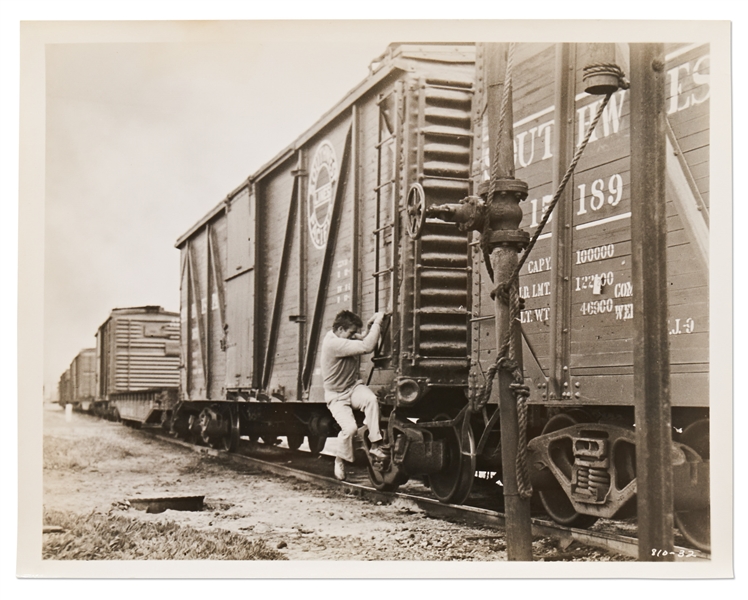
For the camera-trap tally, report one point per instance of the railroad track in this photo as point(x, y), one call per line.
point(314, 468)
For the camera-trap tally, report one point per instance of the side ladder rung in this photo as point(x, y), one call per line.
point(383, 227)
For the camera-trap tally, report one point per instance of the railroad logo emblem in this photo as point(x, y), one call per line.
point(321, 189)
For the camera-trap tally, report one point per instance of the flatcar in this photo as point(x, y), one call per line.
point(137, 365)
point(344, 218)
point(77, 385)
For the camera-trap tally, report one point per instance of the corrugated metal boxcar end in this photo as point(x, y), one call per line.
point(137, 352)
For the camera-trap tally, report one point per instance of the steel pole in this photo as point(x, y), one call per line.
point(504, 218)
point(649, 277)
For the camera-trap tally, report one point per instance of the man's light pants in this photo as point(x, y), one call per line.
point(359, 397)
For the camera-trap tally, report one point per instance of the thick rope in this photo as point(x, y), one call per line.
point(518, 388)
point(562, 186)
point(495, 163)
point(502, 119)
point(508, 289)
point(509, 293)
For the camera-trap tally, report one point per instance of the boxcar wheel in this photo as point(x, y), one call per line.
point(379, 479)
point(695, 524)
point(452, 484)
point(294, 440)
point(316, 443)
point(230, 441)
point(555, 501)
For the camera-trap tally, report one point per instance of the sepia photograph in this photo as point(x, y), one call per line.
point(427, 299)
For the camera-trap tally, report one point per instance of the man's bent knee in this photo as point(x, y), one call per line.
point(349, 430)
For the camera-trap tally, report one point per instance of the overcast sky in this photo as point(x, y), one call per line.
point(142, 140)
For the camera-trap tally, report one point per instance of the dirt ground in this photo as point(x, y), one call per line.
point(92, 465)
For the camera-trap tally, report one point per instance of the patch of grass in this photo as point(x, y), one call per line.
point(75, 455)
point(99, 536)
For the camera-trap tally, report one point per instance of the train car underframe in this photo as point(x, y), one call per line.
point(582, 459)
point(583, 467)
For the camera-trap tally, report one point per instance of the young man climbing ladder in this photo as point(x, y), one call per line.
point(344, 391)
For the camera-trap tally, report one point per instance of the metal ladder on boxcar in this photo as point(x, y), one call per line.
point(440, 318)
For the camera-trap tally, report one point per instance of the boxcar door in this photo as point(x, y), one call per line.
point(240, 280)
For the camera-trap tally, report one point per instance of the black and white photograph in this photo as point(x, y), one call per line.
point(429, 299)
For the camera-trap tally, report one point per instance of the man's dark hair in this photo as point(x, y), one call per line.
point(346, 319)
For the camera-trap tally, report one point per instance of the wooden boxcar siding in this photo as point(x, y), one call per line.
point(532, 81)
point(240, 290)
point(105, 367)
point(184, 335)
point(339, 287)
point(602, 320)
point(194, 286)
point(217, 310)
point(204, 264)
point(274, 208)
point(687, 91)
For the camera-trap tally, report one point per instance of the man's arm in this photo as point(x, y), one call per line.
point(343, 347)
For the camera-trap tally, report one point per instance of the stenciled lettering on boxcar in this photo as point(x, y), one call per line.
point(603, 308)
point(600, 270)
point(322, 181)
point(342, 281)
point(688, 84)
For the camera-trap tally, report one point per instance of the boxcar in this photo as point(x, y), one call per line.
point(328, 224)
point(64, 394)
point(137, 358)
point(577, 320)
point(83, 380)
point(318, 230)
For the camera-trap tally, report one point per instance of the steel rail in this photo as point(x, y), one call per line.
point(620, 544)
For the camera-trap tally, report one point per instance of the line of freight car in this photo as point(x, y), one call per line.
point(133, 373)
point(77, 386)
point(338, 221)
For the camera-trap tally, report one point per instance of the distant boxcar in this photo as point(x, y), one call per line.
point(137, 356)
point(83, 379)
point(77, 385)
point(64, 392)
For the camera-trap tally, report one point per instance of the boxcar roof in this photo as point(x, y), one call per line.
point(138, 310)
point(393, 60)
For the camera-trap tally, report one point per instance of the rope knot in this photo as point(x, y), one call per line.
point(607, 69)
point(502, 291)
point(520, 390)
point(508, 364)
